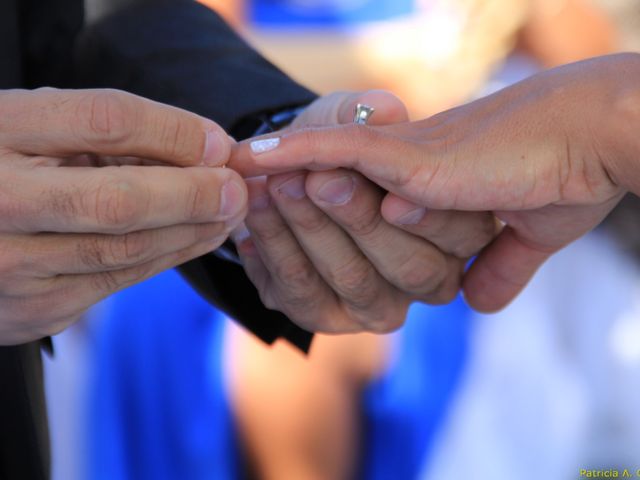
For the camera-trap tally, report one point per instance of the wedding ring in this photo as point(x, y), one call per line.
point(362, 114)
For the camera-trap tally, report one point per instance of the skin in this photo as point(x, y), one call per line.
point(92, 202)
point(550, 156)
point(298, 415)
point(320, 251)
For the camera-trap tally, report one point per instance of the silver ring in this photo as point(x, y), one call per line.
point(362, 114)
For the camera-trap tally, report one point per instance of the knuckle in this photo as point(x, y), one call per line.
point(111, 281)
point(475, 231)
point(449, 288)
point(309, 139)
point(133, 247)
point(356, 282)
point(421, 273)
point(330, 321)
point(365, 222)
point(269, 233)
point(116, 251)
point(105, 282)
point(118, 205)
point(312, 222)
point(137, 274)
point(444, 295)
point(384, 327)
point(297, 272)
point(383, 320)
point(176, 143)
point(104, 116)
point(196, 205)
point(63, 202)
point(91, 252)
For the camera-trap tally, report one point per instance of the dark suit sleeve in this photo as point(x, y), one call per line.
point(181, 53)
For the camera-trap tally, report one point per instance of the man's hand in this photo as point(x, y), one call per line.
point(320, 251)
point(551, 156)
point(71, 233)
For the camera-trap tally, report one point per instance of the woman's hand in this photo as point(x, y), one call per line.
point(551, 156)
point(320, 251)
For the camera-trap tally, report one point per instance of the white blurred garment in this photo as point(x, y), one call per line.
point(553, 383)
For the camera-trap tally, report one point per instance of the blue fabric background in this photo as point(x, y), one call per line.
point(405, 408)
point(324, 13)
point(158, 409)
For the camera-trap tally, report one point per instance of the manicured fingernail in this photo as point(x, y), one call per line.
point(265, 145)
point(232, 199)
point(413, 217)
point(244, 244)
point(337, 191)
point(259, 202)
point(293, 188)
point(215, 143)
point(240, 234)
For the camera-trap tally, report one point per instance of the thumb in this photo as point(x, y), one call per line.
point(501, 271)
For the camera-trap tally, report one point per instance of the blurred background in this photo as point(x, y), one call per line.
point(154, 384)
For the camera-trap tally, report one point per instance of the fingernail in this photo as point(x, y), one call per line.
point(215, 143)
point(240, 234)
point(259, 202)
point(232, 199)
point(293, 188)
point(242, 238)
point(265, 145)
point(413, 217)
point(338, 191)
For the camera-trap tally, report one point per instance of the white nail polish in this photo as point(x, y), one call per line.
point(265, 145)
point(240, 234)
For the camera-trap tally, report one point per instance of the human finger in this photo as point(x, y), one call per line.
point(373, 151)
point(119, 199)
point(502, 270)
point(57, 123)
point(459, 233)
point(506, 265)
point(70, 295)
point(389, 109)
point(339, 107)
point(361, 289)
point(296, 286)
point(51, 254)
point(406, 261)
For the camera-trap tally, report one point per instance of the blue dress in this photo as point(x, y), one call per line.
point(158, 404)
point(158, 409)
point(404, 409)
